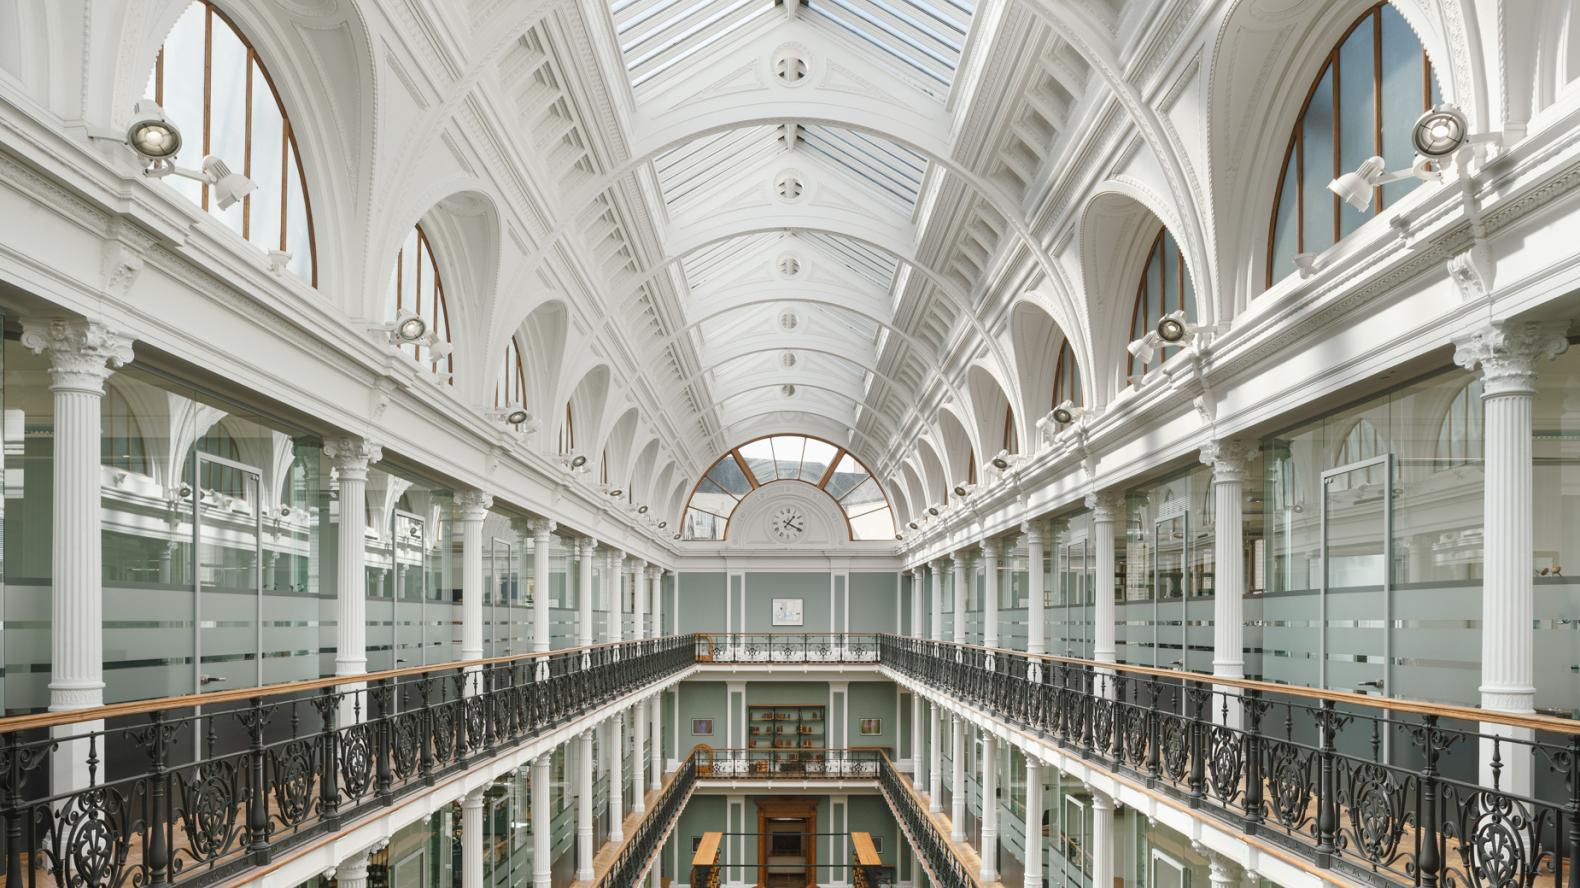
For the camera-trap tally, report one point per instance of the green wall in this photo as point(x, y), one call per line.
point(874, 699)
point(763, 588)
point(873, 603)
point(743, 602)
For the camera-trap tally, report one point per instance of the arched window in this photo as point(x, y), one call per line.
point(1165, 287)
point(1011, 439)
point(568, 431)
point(1361, 442)
point(1459, 434)
point(218, 476)
point(415, 286)
point(1066, 377)
point(212, 84)
point(121, 442)
point(510, 388)
point(788, 458)
point(1372, 87)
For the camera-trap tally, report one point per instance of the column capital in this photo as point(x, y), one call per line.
point(990, 549)
point(353, 868)
point(1508, 351)
point(1105, 505)
point(474, 798)
point(588, 547)
point(1031, 530)
point(1227, 457)
point(82, 353)
point(351, 456)
point(474, 504)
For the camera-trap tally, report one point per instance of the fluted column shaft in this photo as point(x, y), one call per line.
point(957, 780)
point(989, 782)
point(1508, 353)
point(990, 550)
point(474, 505)
point(638, 606)
point(351, 458)
point(1036, 619)
point(587, 551)
point(1102, 838)
point(918, 745)
point(472, 839)
point(614, 746)
point(1227, 459)
point(615, 593)
point(640, 727)
point(542, 828)
point(935, 759)
point(584, 806)
point(1033, 825)
point(1105, 508)
point(961, 579)
point(657, 609)
point(655, 712)
point(82, 354)
point(542, 534)
point(936, 597)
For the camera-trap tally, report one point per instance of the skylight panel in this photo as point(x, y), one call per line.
point(657, 35)
point(704, 264)
point(864, 260)
point(925, 37)
point(689, 170)
point(889, 167)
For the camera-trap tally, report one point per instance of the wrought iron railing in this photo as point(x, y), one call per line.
point(1384, 790)
point(787, 647)
point(641, 850)
point(193, 789)
point(788, 763)
point(945, 869)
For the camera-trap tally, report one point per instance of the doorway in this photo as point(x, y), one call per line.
point(787, 843)
point(1355, 602)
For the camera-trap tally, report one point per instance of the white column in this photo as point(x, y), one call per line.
point(990, 551)
point(935, 759)
point(1033, 832)
point(639, 728)
point(936, 597)
point(1036, 629)
point(918, 746)
point(473, 506)
point(542, 829)
point(962, 577)
point(1220, 871)
point(918, 602)
point(614, 593)
point(657, 609)
point(472, 839)
point(989, 781)
point(614, 745)
point(655, 713)
point(587, 551)
point(1102, 838)
point(350, 458)
point(1507, 353)
point(1105, 508)
point(1227, 458)
point(639, 587)
point(353, 871)
point(584, 806)
point(957, 780)
point(542, 529)
point(82, 354)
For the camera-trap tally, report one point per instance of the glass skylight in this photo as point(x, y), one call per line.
point(780, 458)
point(685, 172)
point(867, 261)
point(892, 169)
point(657, 35)
point(923, 37)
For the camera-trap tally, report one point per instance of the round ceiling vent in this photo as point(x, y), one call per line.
point(787, 390)
point(788, 320)
point(787, 359)
point(788, 266)
point(789, 187)
point(790, 65)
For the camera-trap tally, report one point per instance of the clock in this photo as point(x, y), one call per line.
point(787, 524)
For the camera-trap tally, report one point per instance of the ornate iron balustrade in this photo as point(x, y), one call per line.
point(194, 789)
point(1385, 790)
point(791, 647)
point(641, 850)
point(788, 763)
point(944, 868)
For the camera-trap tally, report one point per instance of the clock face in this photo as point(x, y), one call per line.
point(787, 524)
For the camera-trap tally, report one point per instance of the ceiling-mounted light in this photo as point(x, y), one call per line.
point(964, 490)
point(933, 511)
point(1067, 413)
point(663, 524)
point(641, 510)
point(1440, 132)
point(578, 461)
point(151, 134)
point(409, 326)
point(518, 416)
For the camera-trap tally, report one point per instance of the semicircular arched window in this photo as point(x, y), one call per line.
point(1066, 377)
point(213, 86)
point(510, 387)
point(416, 287)
point(1165, 288)
point(775, 458)
point(1373, 85)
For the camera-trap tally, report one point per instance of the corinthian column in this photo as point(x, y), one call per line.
point(82, 354)
point(990, 550)
point(351, 458)
point(613, 578)
point(542, 529)
point(1227, 459)
point(656, 573)
point(1507, 353)
point(587, 551)
point(1036, 628)
point(472, 839)
point(962, 577)
point(1105, 507)
point(473, 506)
point(936, 597)
point(639, 575)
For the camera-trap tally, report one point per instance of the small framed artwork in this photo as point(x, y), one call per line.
point(702, 727)
point(871, 727)
point(787, 612)
point(877, 843)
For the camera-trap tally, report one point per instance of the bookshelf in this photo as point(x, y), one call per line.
point(785, 727)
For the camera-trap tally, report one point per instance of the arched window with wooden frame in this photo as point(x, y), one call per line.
point(1011, 439)
point(1066, 378)
point(784, 459)
point(568, 431)
point(1372, 86)
point(214, 87)
point(1164, 288)
point(510, 388)
point(416, 286)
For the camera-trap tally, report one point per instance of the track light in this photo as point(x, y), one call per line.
point(1068, 412)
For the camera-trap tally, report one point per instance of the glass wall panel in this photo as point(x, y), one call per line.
point(1556, 485)
point(1071, 591)
point(1166, 613)
point(412, 566)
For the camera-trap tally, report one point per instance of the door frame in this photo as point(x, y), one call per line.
point(199, 458)
point(1173, 510)
point(793, 806)
point(1385, 460)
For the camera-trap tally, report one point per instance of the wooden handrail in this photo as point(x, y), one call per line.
point(1391, 704)
point(161, 704)
point(707, 849)
point(866, 854)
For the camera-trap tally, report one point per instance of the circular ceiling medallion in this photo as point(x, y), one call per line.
point(788, 266)
point(787, 390)
point(789, 187)
point(787, 359)
point(791, 65)
point(789, 320)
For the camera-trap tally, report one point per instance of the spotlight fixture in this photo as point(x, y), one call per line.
point(899, 536)
point(1172, 329)
point(677, 534)
point(1067, 412)
point(933, 511)
point(185, 491)
point(616, 492)
point(578, 461)
point(1440, 132)
point(518, 416)
point(1003, 460)
point(913, 525)
point(641, 510)
point(1307, 264)
point(663, 524)
point(229, 187)
point(964, 490)
point(151, 134)
point(409, 326)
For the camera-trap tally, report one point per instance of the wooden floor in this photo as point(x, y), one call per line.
point(966, 853)
point(604, 859)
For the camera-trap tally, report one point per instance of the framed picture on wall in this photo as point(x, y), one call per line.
point(702, 727)
point(787, 612)
point(871, 727)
